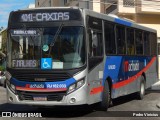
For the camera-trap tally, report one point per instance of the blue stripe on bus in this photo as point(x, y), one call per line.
point(117, 20)
point(113, 73)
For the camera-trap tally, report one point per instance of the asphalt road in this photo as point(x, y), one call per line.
point(124, 108)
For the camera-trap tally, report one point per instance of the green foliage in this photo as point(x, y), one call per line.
point(2, 68)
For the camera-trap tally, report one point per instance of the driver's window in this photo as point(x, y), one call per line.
point(95, 44)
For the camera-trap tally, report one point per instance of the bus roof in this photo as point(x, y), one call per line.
point(44, 8)
point(118, 20)
point(98, 15)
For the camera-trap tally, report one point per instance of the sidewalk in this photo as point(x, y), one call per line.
point(156, 86)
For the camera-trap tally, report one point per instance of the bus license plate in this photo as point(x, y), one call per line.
point(40, 98)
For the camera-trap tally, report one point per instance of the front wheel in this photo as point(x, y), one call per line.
point(106, 98)
point(141, 92)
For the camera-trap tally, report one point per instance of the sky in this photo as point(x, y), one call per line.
point(6, 6)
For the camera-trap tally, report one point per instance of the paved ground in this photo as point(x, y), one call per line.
point(156, 87)
point(124, 108)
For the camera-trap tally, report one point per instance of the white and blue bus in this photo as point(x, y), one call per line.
point(73, 56)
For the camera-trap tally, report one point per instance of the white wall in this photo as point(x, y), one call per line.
point(96, 6)
point(150, 6)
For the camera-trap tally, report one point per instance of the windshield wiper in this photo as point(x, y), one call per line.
point(55, 38)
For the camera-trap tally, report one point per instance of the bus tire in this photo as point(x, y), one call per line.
point(106, 97)
point(141, 92)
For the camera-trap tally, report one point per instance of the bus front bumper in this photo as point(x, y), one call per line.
point(78, 97)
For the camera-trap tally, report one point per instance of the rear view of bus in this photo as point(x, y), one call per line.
point(46, 60)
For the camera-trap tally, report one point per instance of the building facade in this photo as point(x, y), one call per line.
point(50, 3)
point(3, 40)
point(95, 5)
point(144, 12)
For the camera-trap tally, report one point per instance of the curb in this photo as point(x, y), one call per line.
point(156, 86)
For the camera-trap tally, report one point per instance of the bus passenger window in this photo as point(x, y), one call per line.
point(110, 45)
point(130, 42)
point(146, 44)
point(139, 43)
point(120, 37)
point(153, 43)
point(95, 44)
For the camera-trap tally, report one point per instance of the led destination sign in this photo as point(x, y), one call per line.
point(53, 16)
point(24, 63)
point(47, 15)
point(24, 32)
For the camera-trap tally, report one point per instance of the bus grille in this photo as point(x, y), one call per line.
point(52, 96)
point(41, 77)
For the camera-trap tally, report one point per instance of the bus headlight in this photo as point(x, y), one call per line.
point(72, 88)
point(12, 87)
point(80, 83)
point(76, 85)
point(9, 84)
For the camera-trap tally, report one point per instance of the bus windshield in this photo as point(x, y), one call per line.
point(65, 48)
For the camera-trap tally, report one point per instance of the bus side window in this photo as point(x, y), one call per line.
point(130, 42)
point(95, 44)
point(139, 42)
point(146, 44)
point(110, 45)
point(120, 37)
point(153, 44)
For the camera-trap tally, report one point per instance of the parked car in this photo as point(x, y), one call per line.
point(2, 78)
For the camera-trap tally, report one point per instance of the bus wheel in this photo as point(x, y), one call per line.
point(106, 97)
point(141, 92)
